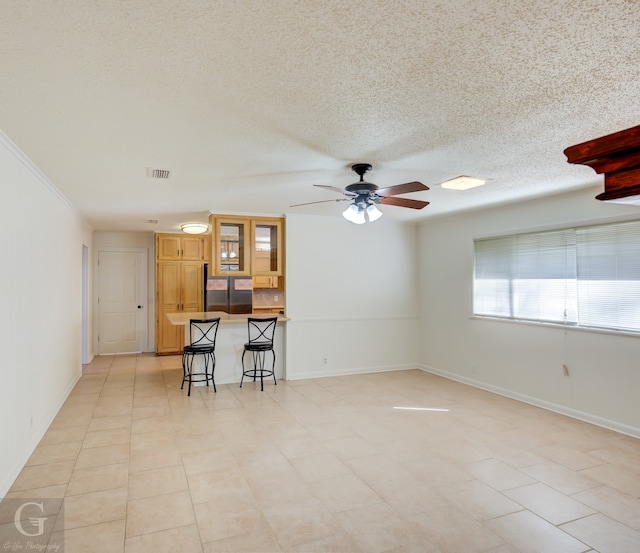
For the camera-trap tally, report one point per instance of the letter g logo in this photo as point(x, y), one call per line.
point(38, 522)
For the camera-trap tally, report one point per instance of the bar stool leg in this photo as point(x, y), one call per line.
point(241, 379)
point(213, 368)
point(273, 367)
point(261, 362)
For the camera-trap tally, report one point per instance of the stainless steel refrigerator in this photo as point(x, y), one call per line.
point(228, 294)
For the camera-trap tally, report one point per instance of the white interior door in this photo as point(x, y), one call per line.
point(121, 302)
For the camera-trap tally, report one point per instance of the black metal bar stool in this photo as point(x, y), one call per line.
point(202, 341)
point(261, 332)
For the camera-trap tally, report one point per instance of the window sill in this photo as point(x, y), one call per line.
point(558, 325)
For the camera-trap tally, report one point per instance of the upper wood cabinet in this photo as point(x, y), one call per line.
point(180, 247)
point(231, 246)
point(196, 248)
point(247, 246)
point(266, 247)
point(262, 270)
point(265, 282)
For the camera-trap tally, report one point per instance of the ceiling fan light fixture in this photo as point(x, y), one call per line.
point(463, 183)
point(365, 195)
point(355, 214)
point(373, 213)
point(194, 228)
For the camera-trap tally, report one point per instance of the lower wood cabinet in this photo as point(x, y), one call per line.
point(178, 289)
point(267, 310)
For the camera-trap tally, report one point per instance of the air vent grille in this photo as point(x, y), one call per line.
point(158, 173)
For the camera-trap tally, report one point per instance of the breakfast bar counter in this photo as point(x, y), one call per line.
point(183, 318)
point(232, 335)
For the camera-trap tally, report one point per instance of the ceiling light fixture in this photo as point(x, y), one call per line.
point(194, 228)
point(373, 213)
point(463, 183)
point(359, 212)
point(355, 214)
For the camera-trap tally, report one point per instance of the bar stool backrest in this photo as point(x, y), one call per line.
point(203, 332)
point(261, 330)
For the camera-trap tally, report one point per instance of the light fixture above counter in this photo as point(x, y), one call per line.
point(194, 228)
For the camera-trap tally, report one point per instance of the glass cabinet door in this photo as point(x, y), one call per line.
point(266, 252)
point(231, 251)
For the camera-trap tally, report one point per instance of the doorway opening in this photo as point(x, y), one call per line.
point(85, 305)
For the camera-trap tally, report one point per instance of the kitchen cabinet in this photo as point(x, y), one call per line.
point(178, 289)
point(262, 265)
point(265, 281)
point(180, 260)
point(247, 246)
point(267, 310)
point(179, 247)
point(251, 246)
point(266, 247)
point(231, 250)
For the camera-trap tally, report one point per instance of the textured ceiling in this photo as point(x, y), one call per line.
point(250, 103)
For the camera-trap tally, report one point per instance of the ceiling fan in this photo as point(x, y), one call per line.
point(364, 196)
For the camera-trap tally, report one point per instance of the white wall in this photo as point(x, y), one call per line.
point(523, 360)
point(41, 288)
point(351, 296)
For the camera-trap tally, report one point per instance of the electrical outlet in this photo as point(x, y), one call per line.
point(276, 297)
point(324, 360)
point(474, 368)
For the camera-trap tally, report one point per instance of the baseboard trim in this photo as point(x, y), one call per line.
point(549, 406)
point(6, 484)
point(348, 371)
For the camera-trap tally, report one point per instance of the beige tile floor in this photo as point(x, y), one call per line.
point(327, 465)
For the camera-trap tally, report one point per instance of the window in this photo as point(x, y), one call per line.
point(587, 276)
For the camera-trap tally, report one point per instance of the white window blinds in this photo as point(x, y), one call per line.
point(609, 276)
point(587, 276)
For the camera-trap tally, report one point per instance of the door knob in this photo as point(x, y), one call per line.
point(139, 307)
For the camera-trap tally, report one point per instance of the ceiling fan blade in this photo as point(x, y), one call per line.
point(404, 202)
point(335, 189)
point(405, 188)
point(322, 202)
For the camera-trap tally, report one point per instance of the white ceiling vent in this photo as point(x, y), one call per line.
point(158, 173)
